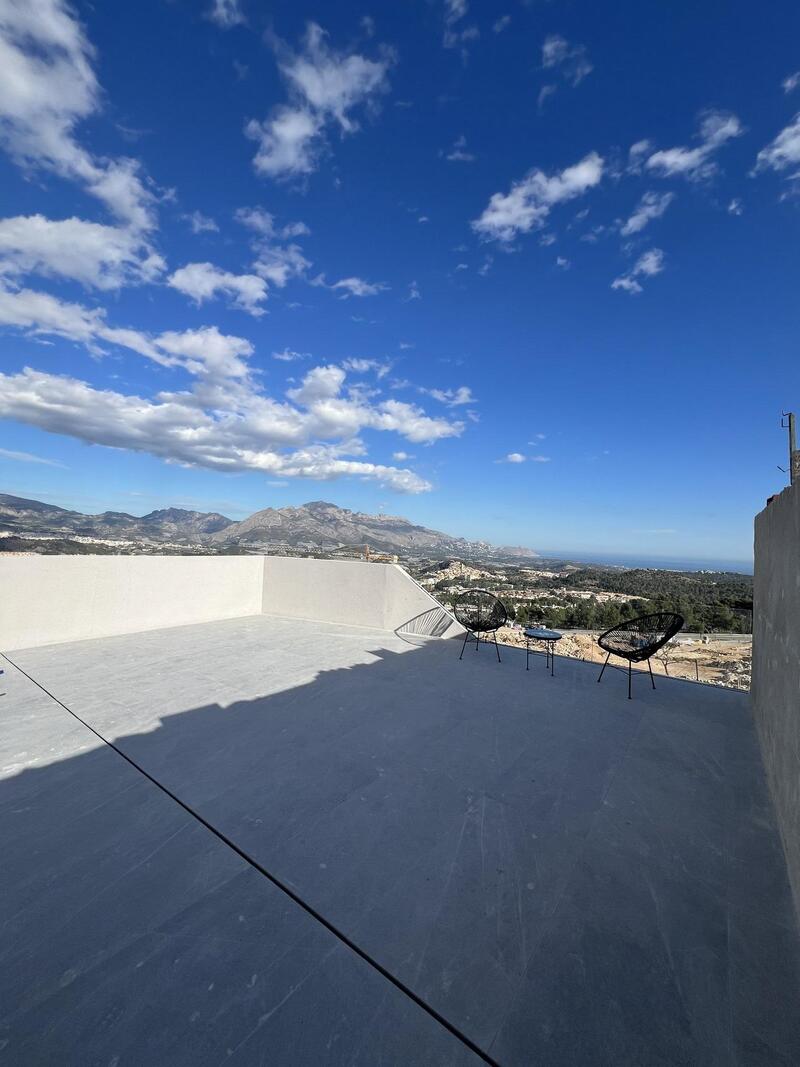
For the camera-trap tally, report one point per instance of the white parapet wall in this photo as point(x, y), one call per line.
point(381, 596)
point(776, 663)
point(51, 599)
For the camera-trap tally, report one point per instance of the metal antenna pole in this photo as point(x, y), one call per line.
point(788, 423)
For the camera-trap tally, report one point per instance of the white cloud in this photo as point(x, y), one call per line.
point(735, 206)
point(518, 457)
point(330, 82)
point(554, 50)
point(570, 60)
point(223, 421)
point(276, 263)
point(295, 229)
point(48, 86)
point(696, 164)
point(501, 24)
point(651, 206)
point(105, 257)
point(28, 457)
point(358, 287)
point(42, 314)
point(412, 423)
point(325, 87)
point(401, 457)
point(791, 82)
point(351, 286)
point(289, 356)
point(563, 262)
point(458, 153)
point(263, 223)
point(201, 352)
point(204, 281)
point(646, 266)
point(784, 151)
point(456, 35)
point(176, 429)
point(637, 155)
point(545, 92)
point(413, 292)
point(364, 366)
point(530, 200)
point(594, 234)
point(321, 383)
point(201, 223)
point(288, 142)
point(452, 397)
point(226, 13)
point(207, 352)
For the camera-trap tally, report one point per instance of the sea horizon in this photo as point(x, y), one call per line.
point(614, 559)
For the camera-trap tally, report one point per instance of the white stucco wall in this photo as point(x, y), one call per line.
point(378, 595)
point(776, 663)
point(52, 599)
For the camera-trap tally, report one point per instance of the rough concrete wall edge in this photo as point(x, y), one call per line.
point(766, 525)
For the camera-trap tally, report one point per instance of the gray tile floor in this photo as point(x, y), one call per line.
point(565, 876)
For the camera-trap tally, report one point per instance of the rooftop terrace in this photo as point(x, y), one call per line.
point(315, 842)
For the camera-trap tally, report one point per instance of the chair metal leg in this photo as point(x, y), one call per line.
point(497, 647)
point(652, 679)
point(630, 674)
point(608, 657)
point(466, 635)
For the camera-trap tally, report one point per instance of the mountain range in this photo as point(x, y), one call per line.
point(316, 525)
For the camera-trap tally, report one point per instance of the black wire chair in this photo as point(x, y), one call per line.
point(479, 612)
point(637, 639)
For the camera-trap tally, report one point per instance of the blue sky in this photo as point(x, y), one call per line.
point(522, 271)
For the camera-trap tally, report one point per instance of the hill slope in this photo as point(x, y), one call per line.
point(21, 516)
point(324, 525)
point(316, 525)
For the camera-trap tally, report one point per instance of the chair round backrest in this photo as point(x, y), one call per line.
point(639, 638)
point(479, 610)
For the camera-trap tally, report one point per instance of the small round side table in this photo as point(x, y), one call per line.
point(549, 638)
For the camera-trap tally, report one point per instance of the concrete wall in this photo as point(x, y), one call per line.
point(50, 599)
point(381, 596)
point(776, 663)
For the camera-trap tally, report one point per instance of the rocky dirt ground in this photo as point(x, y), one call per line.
point(716, 662)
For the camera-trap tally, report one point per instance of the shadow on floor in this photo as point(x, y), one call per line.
point(565, 877)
